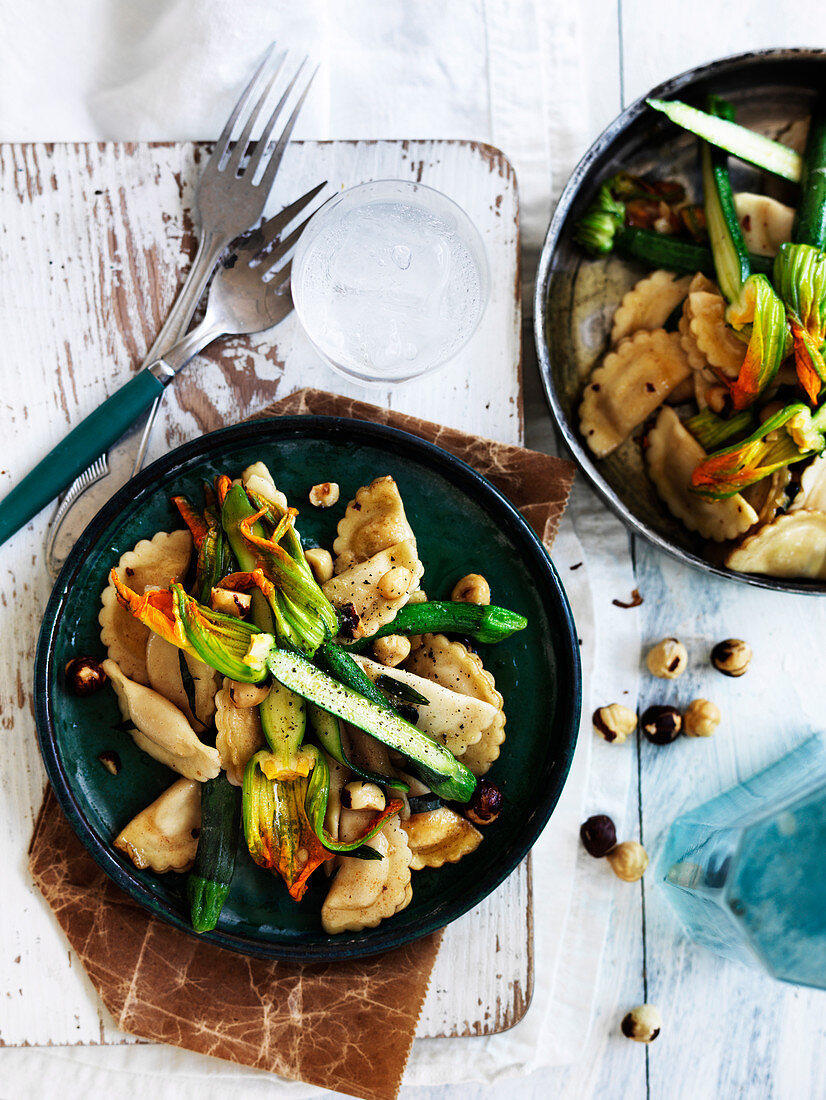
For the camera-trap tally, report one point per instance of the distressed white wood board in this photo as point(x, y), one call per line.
point(94, 241)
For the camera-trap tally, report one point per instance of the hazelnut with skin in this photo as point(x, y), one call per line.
point(628, 860)
point(731, 657)
point(84, 676)
point(614, 722)
point(598, 835)
point(642, 1024)
point(668, 659)
point(661, 724)
point(486, 803)
point(471, 589)
point(324, 495)
point(701, 718)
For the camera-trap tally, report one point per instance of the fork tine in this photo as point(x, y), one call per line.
point(281, 278)
point(240, 147)
point(273, 226)
point(284, 248)
point(222, 144)
point(268, 174)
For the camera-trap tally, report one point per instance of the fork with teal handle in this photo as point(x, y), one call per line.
point(231, 196)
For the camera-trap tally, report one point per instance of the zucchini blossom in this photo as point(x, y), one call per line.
point(800, 278)
point(792, 434)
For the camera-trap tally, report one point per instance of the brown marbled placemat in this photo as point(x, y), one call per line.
point(314, 1022)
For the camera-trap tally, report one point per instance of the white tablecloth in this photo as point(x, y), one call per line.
point(502, 71)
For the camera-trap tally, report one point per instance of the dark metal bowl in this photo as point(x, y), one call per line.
point(576, 296)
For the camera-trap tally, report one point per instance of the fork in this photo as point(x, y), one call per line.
point(231, 196)
point(250, 291)
point(240, 301)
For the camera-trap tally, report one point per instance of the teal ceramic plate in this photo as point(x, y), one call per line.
point(463, 525)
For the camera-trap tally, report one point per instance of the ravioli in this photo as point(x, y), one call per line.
point(164, 836)
point(360, 585)
point(672, 455)
point(793, 545)
point(648, 304)
point(631, 384)
point(453, 666)
point(163, 669)
point(366, 891)
point(154, 563)
point(162, 730)
point(812, 495)
point(258, 479)
point(715, 340)
point(373, 521)
point(438, 837)
point(238, 736)
point(457, 721)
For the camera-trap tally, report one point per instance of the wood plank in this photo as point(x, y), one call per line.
point(93, 249)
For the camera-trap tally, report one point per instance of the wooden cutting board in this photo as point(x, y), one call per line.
point(94, 242)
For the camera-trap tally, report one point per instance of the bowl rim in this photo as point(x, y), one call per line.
point(569, 194)
point(466, 479)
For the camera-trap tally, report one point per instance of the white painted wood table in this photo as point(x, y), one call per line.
point(93, 246)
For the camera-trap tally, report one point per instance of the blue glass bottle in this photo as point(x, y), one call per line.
point(746, 872)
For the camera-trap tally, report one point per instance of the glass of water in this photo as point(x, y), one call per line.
point(389, 280)
point(745, 871)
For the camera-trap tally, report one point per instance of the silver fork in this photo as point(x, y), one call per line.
point(250, 291)
point(231, 196)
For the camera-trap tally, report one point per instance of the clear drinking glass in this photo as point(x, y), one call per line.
point(745, 872)
point(389, 280)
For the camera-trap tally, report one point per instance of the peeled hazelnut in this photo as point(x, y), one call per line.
point(598, 835)
point(395, 582)
point(731, 657)
point(628, 860)
point(359, 795)
point(668, 659)
point(614, 722)
point(701, 718)
point(642, 1024)
point(471, 589)
point(84, 676)
point(391, 650)
point(661, 724)
point(247, 695)
point(321, 563)
point(486, 803)
point(324, 495)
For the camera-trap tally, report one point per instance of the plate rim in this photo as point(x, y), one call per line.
point(569, 704)
point(570, 192)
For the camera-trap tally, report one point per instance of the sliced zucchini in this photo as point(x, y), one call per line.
point(731, 257)
point(442, 772)
point(326, 728)
point(741, 142)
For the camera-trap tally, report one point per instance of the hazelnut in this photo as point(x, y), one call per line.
point(486, 803)
point(628, 860)
point(391, 650)
point(395, 582)
point(614, 722)
point(668, 659)
point(598, 835)
point(324, 495)
point(471, 589)
point(359, 795)
point(731, 657)
point(84, 676)
point(642, 1024)
point(321, 563)
point(701, 718)
point(247, 695)
point(227, 602)
point(110, 760)
point(661, 724)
